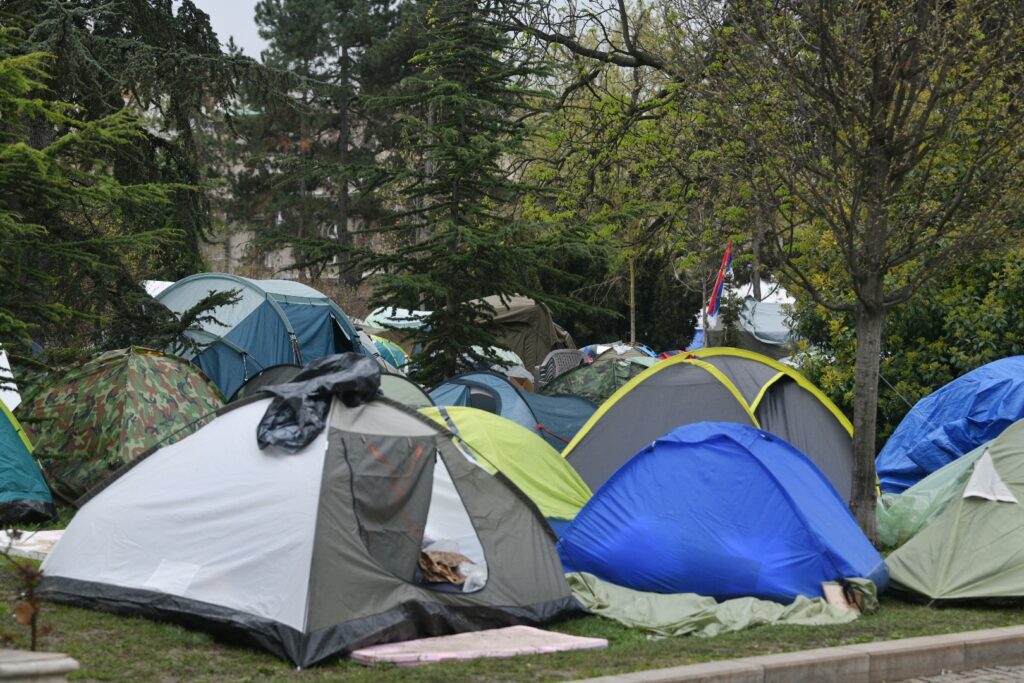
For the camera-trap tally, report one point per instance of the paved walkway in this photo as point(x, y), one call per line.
point(991, 674)
point(991, 656)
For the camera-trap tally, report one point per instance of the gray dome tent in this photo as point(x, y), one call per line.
point(312, 554)
point(717, 385)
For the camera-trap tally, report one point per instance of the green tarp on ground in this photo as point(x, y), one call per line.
point(92, 419)
point(902, 515)
point(974, 548)
point(683, 614)
point(501, 445)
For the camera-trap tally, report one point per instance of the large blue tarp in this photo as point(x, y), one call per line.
point(954, 420)
point(723, 510)
point(556, 418)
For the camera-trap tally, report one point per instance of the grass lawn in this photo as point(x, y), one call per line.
point(112, 648)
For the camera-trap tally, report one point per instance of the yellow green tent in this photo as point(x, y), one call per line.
point(500, 445)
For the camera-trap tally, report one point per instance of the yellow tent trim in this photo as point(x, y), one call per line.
point(775, 365)
point(764, 390)
point(649, 372)
point(17, 426)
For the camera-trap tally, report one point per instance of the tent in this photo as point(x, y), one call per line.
point(718, 384)
point(501, 445)
point(275, 374)
point(396, 387)
point(273, 322)
point(953, 420)
point(24, 496)
point(403, 390)
point(764, 325)
point(600, 379)
point(93, 418)
point(315, 553)
point(902, 515)
point(974, 549)
point(390, 351)
point(617, 349)
point(521, 325)
point(723, 510)
point(556, 418)
point(9, 394)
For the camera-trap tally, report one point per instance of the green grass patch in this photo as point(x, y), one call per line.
point(113, 648)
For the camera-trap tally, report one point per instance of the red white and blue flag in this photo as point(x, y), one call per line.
point(716, 293)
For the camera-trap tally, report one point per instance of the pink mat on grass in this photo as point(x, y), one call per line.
point(496, 642)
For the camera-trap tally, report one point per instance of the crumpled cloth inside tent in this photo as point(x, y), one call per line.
point(680, 614)
point(298, 412)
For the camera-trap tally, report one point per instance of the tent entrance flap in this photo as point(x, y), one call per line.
point(411, 517)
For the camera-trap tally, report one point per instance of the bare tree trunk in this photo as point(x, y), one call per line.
point(870, 323)
point(344, 238)
point(755, 275)
point(632, 299)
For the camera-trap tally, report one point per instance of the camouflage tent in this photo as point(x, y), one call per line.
point(94, 418)
point(600, 379)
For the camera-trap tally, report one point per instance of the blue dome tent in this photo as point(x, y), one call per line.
point(969, 411)
point(723, 510)
point(273, 322)
point(557, 418)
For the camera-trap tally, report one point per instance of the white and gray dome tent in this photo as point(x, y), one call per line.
point(312, 554)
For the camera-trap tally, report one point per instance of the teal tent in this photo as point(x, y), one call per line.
point(272, 322)
point(24, 495)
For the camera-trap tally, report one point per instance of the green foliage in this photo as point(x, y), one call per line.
point(729, 319)
point(313, 152)
point(65, 219)
point(972, 318)
point(161, 62)
point(459, 237)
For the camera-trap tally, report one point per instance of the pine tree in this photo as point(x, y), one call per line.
point(148, 73)
point(313, 147)
point(457, 239)
point(163, 62)
point(66, 223)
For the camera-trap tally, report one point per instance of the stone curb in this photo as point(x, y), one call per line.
point(889, 660)
point(35, 667)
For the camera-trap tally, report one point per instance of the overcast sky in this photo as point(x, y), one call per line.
point(233, 18)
